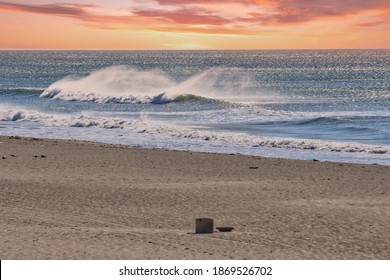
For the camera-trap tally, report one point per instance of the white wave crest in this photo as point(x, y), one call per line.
point(122, 84)
point(117, 84)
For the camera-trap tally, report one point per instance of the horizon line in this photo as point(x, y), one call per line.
point(276, 49)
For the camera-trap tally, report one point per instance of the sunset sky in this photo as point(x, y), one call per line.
point(201, 24)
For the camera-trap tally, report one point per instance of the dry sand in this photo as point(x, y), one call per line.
point(96, 201)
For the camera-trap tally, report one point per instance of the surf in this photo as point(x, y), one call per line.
point(144, 125)
point(127, 85)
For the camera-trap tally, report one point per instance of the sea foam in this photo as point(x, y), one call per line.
point(164, 129)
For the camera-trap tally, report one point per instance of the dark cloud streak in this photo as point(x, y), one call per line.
point(71, 10)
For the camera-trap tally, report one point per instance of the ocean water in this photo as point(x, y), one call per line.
point(330, 105)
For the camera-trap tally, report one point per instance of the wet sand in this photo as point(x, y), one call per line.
point(80, 200)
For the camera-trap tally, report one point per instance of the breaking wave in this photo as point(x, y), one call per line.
point(122, 84)
point(157, 128)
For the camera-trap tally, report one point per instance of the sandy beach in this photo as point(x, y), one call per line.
point(80, 200)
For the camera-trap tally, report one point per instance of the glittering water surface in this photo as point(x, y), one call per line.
point(328, 105)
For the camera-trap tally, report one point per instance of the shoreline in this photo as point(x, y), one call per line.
point(316, 155)
point(88, 200)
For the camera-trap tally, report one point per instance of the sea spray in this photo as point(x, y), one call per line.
point(122, 84)
point(117, 84)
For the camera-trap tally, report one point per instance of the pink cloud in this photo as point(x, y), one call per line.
point(291, 11)
point(185, 2)
point(209, 16)
point(184, 17)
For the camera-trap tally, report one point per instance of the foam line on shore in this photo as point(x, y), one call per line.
point(158, 128)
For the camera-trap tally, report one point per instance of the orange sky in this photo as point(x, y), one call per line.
point(201, 24)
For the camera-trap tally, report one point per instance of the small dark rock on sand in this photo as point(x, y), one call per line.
point(41, 156)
